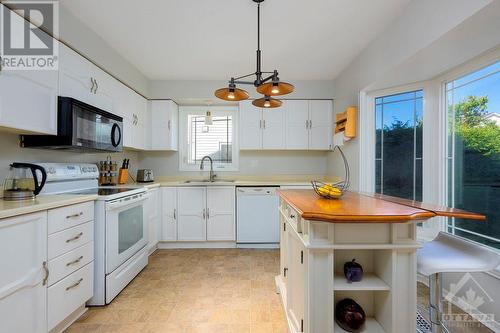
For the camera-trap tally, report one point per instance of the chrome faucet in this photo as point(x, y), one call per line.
point(212, 174)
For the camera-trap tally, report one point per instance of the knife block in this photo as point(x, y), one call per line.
point(123, 176)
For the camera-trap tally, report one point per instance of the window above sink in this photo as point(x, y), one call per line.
point(216, 137)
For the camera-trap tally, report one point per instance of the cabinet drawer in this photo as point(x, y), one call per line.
point(69, 262)
point(70, 216)
point(67, 295)
point(69, 239)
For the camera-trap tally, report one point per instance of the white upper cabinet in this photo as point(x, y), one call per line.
point(164, 124)
point(250, 126)
point(297, 125)
point(28, 100)
point(82, 80)
point(320, 124)
point(261, 128)
point(220, 214)
point(273, 128)
point(74, 75)
point(23, 293)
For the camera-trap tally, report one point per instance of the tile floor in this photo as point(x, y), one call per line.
point(210, 290)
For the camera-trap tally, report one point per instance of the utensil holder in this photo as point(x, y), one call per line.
point(123, 176)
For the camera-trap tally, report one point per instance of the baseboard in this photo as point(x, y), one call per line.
point(257, 246)
point(152, 249)
point(196, 245)
point(281, 289)
point(62, 326)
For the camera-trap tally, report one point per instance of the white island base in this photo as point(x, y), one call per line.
point(311, 281)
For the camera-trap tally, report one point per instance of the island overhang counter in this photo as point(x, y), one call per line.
point(319, 235)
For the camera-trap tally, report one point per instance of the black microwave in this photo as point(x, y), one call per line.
point(81, 126)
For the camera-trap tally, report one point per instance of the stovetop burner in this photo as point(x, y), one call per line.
point(104, 191)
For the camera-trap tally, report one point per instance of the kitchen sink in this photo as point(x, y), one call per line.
point(208, 181)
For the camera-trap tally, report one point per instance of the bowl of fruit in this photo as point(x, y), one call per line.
point(333, 190)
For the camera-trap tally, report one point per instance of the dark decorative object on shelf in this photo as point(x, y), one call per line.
point(353, 271)
point(350, 316)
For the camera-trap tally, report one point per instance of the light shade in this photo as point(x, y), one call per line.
point(275, 88)
point(267, 102)
point(231, 94)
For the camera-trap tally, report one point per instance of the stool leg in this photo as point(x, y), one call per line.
point(435, 304)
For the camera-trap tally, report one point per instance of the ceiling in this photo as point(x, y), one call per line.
point(213, 40)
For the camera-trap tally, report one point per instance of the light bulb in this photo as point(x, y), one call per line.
point(267, 103)
point(231, 95)
point(275, 89)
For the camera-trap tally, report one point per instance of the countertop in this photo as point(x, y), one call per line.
point(357, 207)
point(40, 203)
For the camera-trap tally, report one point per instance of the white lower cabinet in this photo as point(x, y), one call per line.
point(296, 281)
point(191, 225)
point(169, 214)
point(69, 294)
point(220, 213)
point(153, 215)
point(23, 290)
point(198, 214)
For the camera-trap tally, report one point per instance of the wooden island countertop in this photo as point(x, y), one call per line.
point(363, 207)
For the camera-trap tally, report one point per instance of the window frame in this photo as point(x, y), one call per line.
point(470, 67)
point(183, 136)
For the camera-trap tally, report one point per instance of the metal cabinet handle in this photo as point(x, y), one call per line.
point(175, 214)
point(264, 123)
point(204, 215)
point(74, 215)
point(46, 271)
point(292, 216)
point(169, 124)
point(74, 238)
point(76, 261)
point(208, 213)
point(74, 285)
point(96, 86)
point(307, 123)
point(92, 87)
point(310, 124)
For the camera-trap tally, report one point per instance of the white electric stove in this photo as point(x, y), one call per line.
point(120, 226)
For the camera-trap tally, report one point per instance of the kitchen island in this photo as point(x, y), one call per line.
point(319, 235)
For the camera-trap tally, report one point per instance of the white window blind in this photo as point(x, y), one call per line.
point(210, 140)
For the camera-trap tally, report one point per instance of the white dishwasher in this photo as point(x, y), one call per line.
point(257, 217)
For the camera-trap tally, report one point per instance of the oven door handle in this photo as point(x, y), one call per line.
point(124, 202)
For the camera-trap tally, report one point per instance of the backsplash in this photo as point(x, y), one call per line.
point(10, 151)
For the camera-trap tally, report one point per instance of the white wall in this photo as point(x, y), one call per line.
point(10, 151)
point(425, 27)
point(252, 163)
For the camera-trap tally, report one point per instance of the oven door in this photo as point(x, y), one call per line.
point(126, 229)
point(96, 131)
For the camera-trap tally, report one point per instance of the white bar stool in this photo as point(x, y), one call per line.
point(450, 254)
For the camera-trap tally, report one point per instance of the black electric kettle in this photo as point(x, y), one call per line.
point(22, 183)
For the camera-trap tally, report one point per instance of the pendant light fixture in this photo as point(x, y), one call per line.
point(267, 86)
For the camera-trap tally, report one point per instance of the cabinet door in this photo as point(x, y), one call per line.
point(23, 296)
point(250, 126)
point(102, 95)
point(321, 121)
point(152, 212)
point(296, 281)
point(74, 75)
point(220, 214)
point(164, 115)
point(297, 129)
point(28, 100)
point(283, 249)
point(191, 225)
point(169, 214)
point(273, 125)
